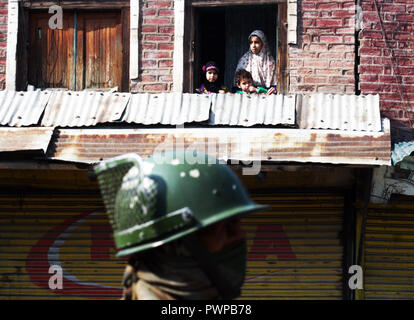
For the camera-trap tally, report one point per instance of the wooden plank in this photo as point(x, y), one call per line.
point(282, 50)
point(78, 4)
point(103, 50)
point(125, 22)
point(217, 3)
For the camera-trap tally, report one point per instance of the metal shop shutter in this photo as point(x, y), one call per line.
point(38, 230)
point(295, 249)
point(389, 252)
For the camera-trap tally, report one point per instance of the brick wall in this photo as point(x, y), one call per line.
point(324, 58)
point(387, 65)
point(3, 42)
point(156, 46)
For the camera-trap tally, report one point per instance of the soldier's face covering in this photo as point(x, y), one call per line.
point(171, 272)
point(232, 263)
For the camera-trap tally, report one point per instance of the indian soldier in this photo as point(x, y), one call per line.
point(179, 224)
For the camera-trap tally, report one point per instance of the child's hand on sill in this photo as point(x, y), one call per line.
point(272, 90)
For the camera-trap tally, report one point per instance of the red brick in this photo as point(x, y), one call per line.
point(166, 46)
point(370, 87)
point(343, 13)
point(341, 64)
point(333, 55)
point(319, 63)
point(316, 47)
point(341, 80)
point(149, 46)
point(159, 4)
point(405, 17)
point(166, 30)
point(368, 78)
point(151, 37)
point(341, 47)
point(392, 8)
point(149, 63)
point(149, 12)
point(406, 71)
point(328, 72)
point(329, 23)
point(155, 87)
point(328, 5)
point(372, 34)
point(331, 39)
point(166, 78)
point(345, 31)
point(314, 79)
point(157, 54)
point(390, 96)
point(157, 72)
point(404, 36)
point(369, 52)
point(350, 4)
point(157, 21)
point(370, 69)
point(304, 71)
point(308, 22)
point(166, 12)
point(148, 78)
point(165, 63)
point(148, 29)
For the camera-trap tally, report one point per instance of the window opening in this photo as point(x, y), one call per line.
point(221, 34)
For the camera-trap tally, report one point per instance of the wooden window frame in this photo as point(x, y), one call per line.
point(19, 17)
point(184, 32)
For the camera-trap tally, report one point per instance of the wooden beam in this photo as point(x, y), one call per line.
point(42, 165)
point(220, 3)
point(78, 4)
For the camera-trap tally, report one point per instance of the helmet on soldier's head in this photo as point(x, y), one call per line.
point(159, 199)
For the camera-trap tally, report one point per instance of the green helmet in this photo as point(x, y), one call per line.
point(165, 197)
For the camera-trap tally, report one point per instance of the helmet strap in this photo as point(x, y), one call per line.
point(207, 263)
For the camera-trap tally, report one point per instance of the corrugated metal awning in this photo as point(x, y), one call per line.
point(88, 108)
point(25, 139)
point(249, 110)
point(167, 108)
point(19, 109)
point(342, 112)
point(84, 108)
point(254, 144)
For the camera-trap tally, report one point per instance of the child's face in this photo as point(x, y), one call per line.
point(255, 44)
point(245, 84)
point(211, 75)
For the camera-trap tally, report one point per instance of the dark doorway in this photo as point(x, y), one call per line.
point(221, 34)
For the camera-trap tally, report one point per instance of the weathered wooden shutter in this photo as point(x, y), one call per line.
point(51, 52)
point(103, 39)
point(99, 52)
point(295, 249)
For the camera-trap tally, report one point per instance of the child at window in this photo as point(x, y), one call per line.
point(244, 82)
point(211, 73)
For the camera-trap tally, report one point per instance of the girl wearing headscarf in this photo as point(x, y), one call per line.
point(211, 84)
point(259, 62)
